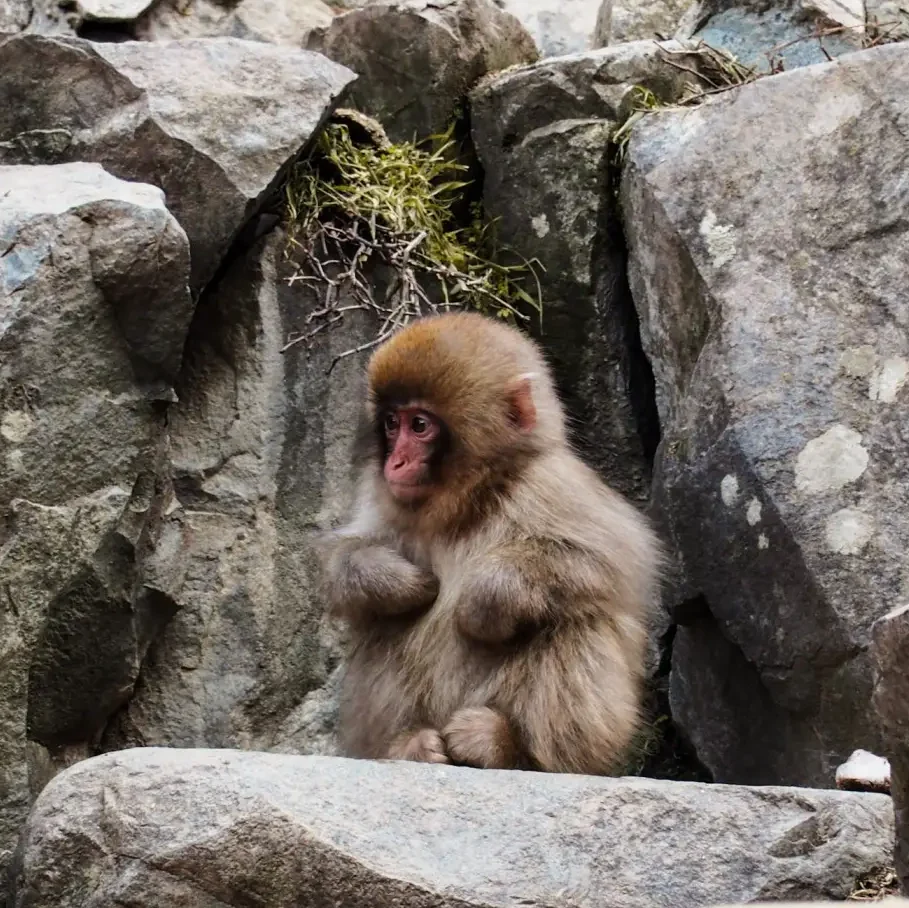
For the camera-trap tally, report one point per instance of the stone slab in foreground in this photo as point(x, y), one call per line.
point(154, 827)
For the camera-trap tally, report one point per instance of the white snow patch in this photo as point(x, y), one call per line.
point(864, 771)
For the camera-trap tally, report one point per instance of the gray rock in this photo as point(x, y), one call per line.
point(634, 20)
point(278, 21)
point(766, 269)
point(207, 828)
point(888, 903)
point(891, 700)
point(784, 34)
point(82, 381)
point(45, 17)
point(217, 143)
point(417, 59)
point(260, 444)
point(542, 133)
point(557, 26)
point(113, 10)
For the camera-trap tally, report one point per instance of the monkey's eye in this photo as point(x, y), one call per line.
point(419, 425)
point(391, 422)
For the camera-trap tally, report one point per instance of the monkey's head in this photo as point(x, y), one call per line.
point(457, 406)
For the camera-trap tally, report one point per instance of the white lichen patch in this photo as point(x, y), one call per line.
point(14, 461)
point(763, 542)
point(830, 461)
point(887, 381)
point(540, 225)
point(15, 426)
point(859, 362)
point(753, 512)
point(729, 490)
point(848, 531)
point(719, 238)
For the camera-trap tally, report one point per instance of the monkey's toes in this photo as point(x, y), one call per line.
point(426, 746)
point(481, 737)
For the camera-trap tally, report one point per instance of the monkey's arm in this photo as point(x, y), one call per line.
point(510, 589)
point(364, 577)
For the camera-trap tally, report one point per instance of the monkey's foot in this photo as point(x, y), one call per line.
point(426, 746)
point(481, 737)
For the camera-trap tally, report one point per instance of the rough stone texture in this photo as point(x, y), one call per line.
point(82, 379)
point(762, 34)
point(634, 20)
point(542, 134)
point(766, 266)
point(278, 21)
point(260, 445)
point(891, 700)
point(432, 52)
point(887, 903)
point(150, 828)
point(557, 26)
point(216, 143)
point(113, 10)
point(44, 17)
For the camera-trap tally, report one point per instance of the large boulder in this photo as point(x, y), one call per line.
point(418, 58)
point(85, 373)
point(543, 134)
point(891, 700)
point(150, 828)
point(213, 122)
point(260, 444)
point(767, 269)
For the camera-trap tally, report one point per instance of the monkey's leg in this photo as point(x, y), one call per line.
point(484, 738)
point(423, 746)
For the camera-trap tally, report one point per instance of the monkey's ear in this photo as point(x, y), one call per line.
point(521, 408)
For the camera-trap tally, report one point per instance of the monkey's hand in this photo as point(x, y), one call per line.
point(499, 599)
point(424, 746)
point(482, 737)
point(374, 579)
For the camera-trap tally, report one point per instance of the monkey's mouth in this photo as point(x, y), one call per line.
point(409, 492)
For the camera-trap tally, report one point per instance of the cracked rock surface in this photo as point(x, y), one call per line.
point(83, 381)
point(151, 828)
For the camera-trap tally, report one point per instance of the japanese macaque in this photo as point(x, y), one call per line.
point(496, 591)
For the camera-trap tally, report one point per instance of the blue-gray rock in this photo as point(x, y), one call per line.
point(768, 235)
point(780, 35)
point(155, 828)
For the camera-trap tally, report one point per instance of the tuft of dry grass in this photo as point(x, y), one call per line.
point(356, 206)
point(875, 886)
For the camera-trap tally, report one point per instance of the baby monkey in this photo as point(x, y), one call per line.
point(496, 590)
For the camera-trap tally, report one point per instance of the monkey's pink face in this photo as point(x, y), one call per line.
point(413, 436)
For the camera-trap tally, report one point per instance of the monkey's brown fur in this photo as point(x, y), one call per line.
point(502, 622)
